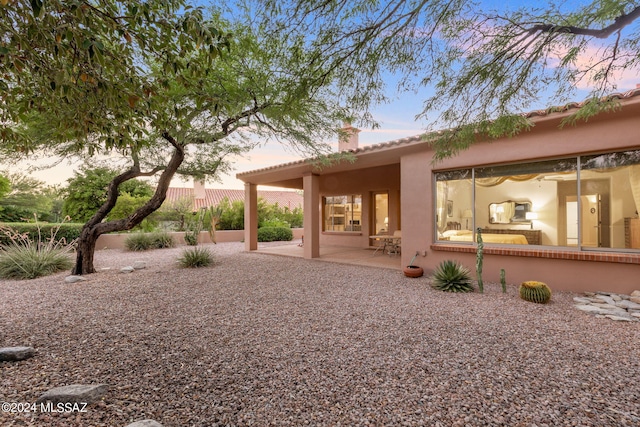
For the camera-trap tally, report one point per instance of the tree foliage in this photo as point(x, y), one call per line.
point(87, 191)
point(159, 84)
point(476, 65)
point(28, 199)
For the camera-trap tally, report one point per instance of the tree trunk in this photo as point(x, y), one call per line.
point(95, 227)
point(84, 252)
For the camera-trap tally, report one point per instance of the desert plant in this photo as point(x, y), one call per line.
point(138, 242)
point(146, 241)
point(195, 257)
point(161, 240)
point(533, 291)
point(26, 258)
point(191, 237)
point(450, 276)
point(503, 280)
point(479, 259)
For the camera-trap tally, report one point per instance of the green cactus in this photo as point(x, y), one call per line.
point(537, 292)
point(503, 280)
point(479, 259)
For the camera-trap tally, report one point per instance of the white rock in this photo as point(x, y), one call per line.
point(591, 309)
point(635, 299)
point(628, 305)
point(635, 314)
point(127, 269)
point(145, 423)
point(619, 318)
point(616, 298)
point(74, 279)
point(139, 265)
point(635, 294)
point(582, 300)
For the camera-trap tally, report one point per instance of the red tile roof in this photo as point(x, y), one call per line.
point(213, 197)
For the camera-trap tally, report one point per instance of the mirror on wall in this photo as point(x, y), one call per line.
point(508, 212)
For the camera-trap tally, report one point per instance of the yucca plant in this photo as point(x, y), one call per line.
point(196, 257)
point(139, 242)
point(534, 291)
point(450, 276)
point(24, 258)
point(162, 240)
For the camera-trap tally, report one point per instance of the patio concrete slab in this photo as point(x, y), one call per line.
point(339, 254)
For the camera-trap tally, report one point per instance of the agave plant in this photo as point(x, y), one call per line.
point(450, 276)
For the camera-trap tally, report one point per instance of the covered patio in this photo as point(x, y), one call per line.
point(339, 254)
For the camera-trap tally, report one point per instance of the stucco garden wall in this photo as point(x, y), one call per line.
point(116, 241)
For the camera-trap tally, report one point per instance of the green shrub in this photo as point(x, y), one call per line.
point(64, 232)
point(138, 242)
point(27, 258)
point(450, 276)
point(161, 240)
point(146, 241)
point(195, 257)
point(274, 234)
point(537, 292)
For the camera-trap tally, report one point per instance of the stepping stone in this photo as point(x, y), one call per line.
point(145, 423)
point(74, 393)
point(14, 354)
point(74, 279)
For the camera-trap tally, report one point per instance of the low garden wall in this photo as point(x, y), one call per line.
point(116, 241)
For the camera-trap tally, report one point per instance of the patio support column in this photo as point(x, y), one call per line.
point(311, 187)
point(250, 217)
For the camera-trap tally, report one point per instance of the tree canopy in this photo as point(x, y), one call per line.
point(159, 86)
point(477, 65)
point(87, 191)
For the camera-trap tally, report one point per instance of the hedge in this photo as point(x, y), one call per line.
point(66, 231)
point(273, 234)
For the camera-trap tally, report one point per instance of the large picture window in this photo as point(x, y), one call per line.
point(586, 202)
point(343, 213)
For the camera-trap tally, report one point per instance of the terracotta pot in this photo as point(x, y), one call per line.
point(413, 271)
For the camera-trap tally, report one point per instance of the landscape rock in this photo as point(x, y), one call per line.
point(139, 265)
point(14, 354)
point(127, 269)
point(635, 299)
point(145, 423)
point(74, 393)
point(635, 294)
point(610, 305)
point(74, 279)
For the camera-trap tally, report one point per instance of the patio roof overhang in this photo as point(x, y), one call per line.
point(289, 175)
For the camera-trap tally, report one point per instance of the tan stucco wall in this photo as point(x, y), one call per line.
point(364, 182)
point(417, 211)
point(116, 241)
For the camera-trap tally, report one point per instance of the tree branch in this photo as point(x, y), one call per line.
point(618, 24)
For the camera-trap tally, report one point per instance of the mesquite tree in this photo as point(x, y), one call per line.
point(477, 65)
point(155, 83)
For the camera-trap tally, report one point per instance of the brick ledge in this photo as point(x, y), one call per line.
point(617, 257)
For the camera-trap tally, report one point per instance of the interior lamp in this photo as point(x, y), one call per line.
point(468, 213)
point(531, 216)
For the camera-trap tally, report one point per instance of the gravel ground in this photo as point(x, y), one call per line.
point(265, 340)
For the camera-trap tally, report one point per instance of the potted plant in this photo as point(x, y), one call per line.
point(413, 270)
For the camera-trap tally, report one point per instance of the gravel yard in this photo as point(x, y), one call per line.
point(266, 340)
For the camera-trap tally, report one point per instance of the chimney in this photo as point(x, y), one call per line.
point(198, 189)
point(349, 140)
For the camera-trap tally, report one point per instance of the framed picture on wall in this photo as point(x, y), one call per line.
point(449, 207)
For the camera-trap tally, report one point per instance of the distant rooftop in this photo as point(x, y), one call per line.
point(213, 197)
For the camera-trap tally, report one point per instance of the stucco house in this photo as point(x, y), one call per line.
point(555, 204)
